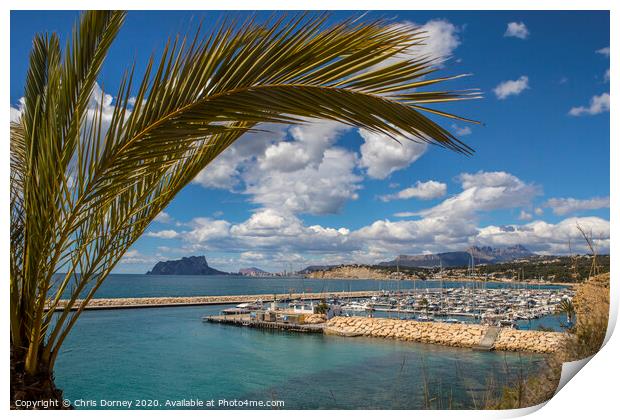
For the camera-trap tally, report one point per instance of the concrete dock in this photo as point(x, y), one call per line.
point(246, 321)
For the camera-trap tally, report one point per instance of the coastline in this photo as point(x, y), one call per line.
point(456, 279)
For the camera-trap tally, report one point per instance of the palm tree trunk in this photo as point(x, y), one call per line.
point(34, 391)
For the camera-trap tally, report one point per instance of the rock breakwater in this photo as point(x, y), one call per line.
point(456, 335)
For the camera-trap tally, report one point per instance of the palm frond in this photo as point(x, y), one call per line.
point(85, 189)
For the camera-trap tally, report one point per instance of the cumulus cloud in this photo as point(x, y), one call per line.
point(163, 234)
point(163, 218)
point(297, 168)
point(204, 228)
point(563, 206)
point(598, 105)
point(275, 235)
point(511, 87)
point(606, 76)
point(548, 238)
point(381, 155)
point(485, 191)
point(226, 170)
point(442, 38)
point(603, 51)
point(317, 189)
point(423, 190)
point(517, 30)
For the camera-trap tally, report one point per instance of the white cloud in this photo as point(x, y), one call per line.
point(511, 87)
point(135, 257)
point(222, 173)
point(523, 215)
point(598, 105)
point(539, 211)
point(606, 76)
point(405, 214)
point(461, 131)
point(517, 30)
point(164, 234)
point(423, 190)
point(251, 256)
point(226, 170)
point(204, 228)
point(17, 112)
point(603, 51)
point(485, 191)
point(562, 206)
point(163, 218)
point(382, 155)
point(548, 238)
point(268, 223)
point(442, 39)
point(305, 174)
point(273, 236)
point(310, 141)
point(317, 189)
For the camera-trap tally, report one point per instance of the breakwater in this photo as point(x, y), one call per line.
point(149, 302)
point(456, 335)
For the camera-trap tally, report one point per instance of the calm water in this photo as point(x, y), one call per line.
point(139, 285)
point(169, 353)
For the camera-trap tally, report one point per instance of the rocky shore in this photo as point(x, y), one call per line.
point(456, 335)
point(533, 341)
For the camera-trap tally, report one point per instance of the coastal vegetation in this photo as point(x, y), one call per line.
point(84, 186)
point(560, 269)
point(591, 307)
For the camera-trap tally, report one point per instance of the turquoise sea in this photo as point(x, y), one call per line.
point(164, 354)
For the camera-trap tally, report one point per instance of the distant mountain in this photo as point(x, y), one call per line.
point(252, 271)
point(482, 255)
point(186, 266)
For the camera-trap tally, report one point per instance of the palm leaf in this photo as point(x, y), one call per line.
point(85, 189)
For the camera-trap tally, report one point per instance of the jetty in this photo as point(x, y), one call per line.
point(154, 302)
point(247, 321)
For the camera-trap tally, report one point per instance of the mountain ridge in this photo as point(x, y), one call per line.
point(482, 255)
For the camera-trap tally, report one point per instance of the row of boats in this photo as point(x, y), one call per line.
point(501, 306)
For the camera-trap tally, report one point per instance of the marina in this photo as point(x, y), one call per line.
point(492, 307)
point(501, 307)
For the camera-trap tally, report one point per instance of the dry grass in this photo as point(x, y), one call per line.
point(592, 307)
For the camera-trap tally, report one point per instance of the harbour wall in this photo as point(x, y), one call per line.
point(456, 335)
point(148, 302)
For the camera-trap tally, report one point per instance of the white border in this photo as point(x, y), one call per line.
point(592, 395)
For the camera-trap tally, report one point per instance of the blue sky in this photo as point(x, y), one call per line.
point(327, 194)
